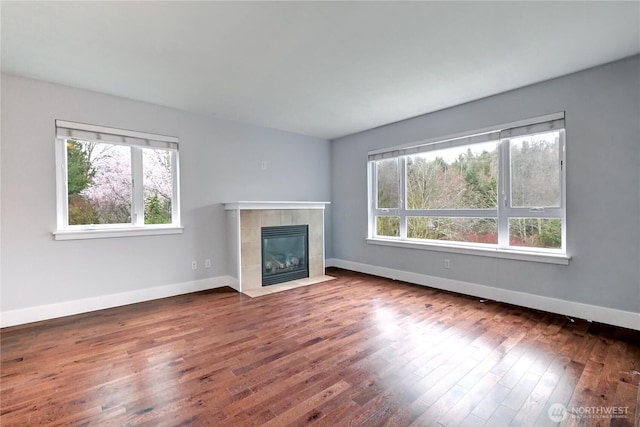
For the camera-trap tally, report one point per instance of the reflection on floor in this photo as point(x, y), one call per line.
point(266, 290)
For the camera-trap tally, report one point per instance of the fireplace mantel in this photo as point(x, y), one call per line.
point(263, 205)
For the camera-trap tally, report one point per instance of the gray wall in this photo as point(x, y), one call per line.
point(603, 180)
point(220, 161)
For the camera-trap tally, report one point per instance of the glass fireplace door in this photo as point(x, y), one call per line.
point(284, 253)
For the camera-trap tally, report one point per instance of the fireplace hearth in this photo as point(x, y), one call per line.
point(285, 253)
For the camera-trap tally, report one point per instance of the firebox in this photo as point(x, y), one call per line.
point(285, 253)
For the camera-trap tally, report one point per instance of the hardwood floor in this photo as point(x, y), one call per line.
point(358, 351)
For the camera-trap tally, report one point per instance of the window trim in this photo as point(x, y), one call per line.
point(115, 232)
point(137, 141)
point(503, 212)
point(472, 249)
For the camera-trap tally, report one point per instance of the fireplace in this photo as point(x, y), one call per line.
point(285, 253)
point(245, 221)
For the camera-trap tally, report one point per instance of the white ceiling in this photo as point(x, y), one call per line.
point(326, 69)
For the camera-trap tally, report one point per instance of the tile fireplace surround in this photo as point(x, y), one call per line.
point(244, 223)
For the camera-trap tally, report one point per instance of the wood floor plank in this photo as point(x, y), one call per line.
point(355, 351)
point(462, 409)
point(534, 404)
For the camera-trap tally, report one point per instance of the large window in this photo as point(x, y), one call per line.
point(499, 189)
point(115, 182)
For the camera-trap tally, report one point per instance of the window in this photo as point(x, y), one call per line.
point(499, 189)
point(114, 182)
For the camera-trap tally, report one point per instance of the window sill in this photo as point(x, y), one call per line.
point(114, 232)
point(479, 251)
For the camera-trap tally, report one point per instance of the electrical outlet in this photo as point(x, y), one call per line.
point(194, 265)
point(447, 263)
point(207, 263)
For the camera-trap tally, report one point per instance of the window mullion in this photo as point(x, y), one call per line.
point(454, 213)
point(563, 187)
point(403, 196)
point(137, 190)
point(175, 196)
point(373, 202)
point(504, 195)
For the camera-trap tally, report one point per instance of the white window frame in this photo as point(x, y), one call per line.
point(502, 134)
point(137, 141)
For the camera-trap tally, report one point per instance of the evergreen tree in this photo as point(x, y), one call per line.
point(80, 175)
point(80, 172)
point(155, 211)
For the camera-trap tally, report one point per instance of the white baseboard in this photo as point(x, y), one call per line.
point(606, 315)
point(610, 316)
point(68, 308)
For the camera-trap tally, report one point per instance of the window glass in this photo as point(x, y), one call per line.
point(158, 186)
point(535, 232)
point(463, 177)
point(388, 226)
point(470, 230)
point(387, 184)
point(98, 183)
point(535, 170)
